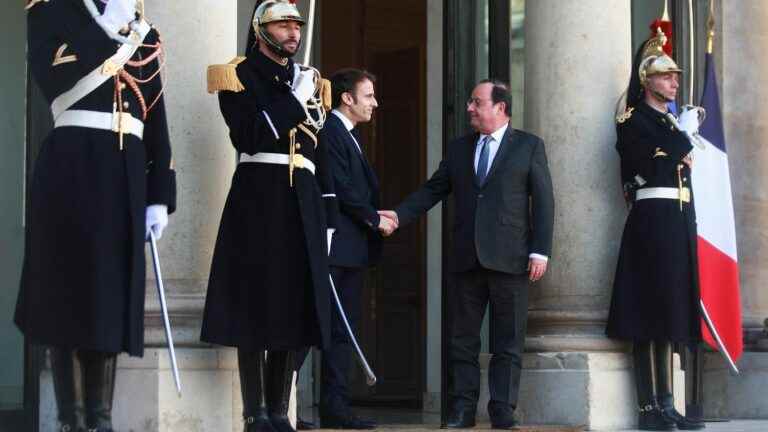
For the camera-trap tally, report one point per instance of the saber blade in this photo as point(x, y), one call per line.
point(370, 377)
point(716, 335)
point(164, 310)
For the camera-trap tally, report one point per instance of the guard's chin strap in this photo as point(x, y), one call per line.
point(660, 97)
point(273, 45)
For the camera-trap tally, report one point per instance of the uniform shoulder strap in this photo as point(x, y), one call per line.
point(32, 3)
point(223, 77)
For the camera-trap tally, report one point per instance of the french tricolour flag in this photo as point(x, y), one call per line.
point(718, 262)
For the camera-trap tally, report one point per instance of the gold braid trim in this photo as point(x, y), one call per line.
point(309, 133)
point(224, 77)
point(325, 94)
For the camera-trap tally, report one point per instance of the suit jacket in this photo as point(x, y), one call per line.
point(356, 242)
point(497, 225)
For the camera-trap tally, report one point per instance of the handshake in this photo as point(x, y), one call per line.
point(388, 222)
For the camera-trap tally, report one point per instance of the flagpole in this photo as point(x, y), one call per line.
point(692, 51)
point(711, 27)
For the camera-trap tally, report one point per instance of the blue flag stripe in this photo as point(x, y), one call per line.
point(712, 128)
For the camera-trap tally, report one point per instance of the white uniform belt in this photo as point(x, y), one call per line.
point(299, 161)
point(101, 74)
point(102, 120)
point(683, 194)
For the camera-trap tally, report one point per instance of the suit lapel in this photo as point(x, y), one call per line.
point(471, 147)
point(502, 153)
point(372, 179)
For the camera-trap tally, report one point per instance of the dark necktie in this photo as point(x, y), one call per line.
point(482, 162)
point(356, 135)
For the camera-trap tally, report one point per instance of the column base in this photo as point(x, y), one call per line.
point(591, 389)
point(736, 396)
point(146, 398)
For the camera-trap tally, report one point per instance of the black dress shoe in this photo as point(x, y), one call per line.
point(502, 419)
point(682, 422)
point(461, 419)
point(303, 425)
point(651, 418)
point(348, 421)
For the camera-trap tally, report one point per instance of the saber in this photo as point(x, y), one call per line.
point(164, 310)
point(310, 28)
point(720, 345)
point(370, 377)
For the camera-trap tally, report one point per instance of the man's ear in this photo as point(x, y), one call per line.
point(502, 107)
point(347, 99)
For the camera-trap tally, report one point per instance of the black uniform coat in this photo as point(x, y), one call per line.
point(356, 242)
point(269, 286)
point(499, 224)
point(655, 290)
point(83, 281)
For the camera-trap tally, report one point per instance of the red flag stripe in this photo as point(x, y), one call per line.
point(719, 279)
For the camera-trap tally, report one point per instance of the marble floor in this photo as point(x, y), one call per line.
point(412, 420)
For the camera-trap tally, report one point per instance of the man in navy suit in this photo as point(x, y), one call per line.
point(356, 243)
point(502, 239)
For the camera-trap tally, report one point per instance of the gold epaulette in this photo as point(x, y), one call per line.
point(621, 118)
point(31, 3)
point(325, 94)
point(223, 77)
point(660, 153)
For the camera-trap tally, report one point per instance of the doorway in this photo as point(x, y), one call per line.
point(18, 402)
point(388, 38)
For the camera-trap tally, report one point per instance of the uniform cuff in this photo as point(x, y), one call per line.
point(538, 256)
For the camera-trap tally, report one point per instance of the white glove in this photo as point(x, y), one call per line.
point(329, 234)
point(157, 220)
point(304, 86)
point(118, 14)
point(689, 121)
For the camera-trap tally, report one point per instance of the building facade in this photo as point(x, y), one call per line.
point(567, 61)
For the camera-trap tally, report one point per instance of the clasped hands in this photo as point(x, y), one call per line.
point(388, 222)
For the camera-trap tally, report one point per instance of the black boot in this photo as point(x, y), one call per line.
point(665, 391)
point(651, 417)
point(252, 386)
point(280, 365)
point(68, 386)
point(99, 369)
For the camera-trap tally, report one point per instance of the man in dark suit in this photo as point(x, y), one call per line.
point(502, 238)
point(356, 243)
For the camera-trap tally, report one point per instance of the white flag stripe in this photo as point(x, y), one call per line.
point(714, 209)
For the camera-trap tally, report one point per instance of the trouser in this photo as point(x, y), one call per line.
point(508, 297)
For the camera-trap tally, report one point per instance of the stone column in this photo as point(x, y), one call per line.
point(196, 33)
point(742, 35)
point(577, 64)
point(575, 72)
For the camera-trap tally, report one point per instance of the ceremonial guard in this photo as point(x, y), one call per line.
point(269, 288)
point(103, 179)
point(655, 292)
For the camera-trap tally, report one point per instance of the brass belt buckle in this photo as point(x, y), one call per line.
point(298, 161)
point(109, 68)
point(120, 122)
point(685, 195)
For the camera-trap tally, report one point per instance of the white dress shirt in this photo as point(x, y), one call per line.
point(493, 148)
point(348, 124)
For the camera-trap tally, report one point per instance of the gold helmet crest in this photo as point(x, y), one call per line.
point(655, 60)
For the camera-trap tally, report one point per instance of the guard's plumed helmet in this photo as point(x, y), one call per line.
point(654, 60)
point(273, 11)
